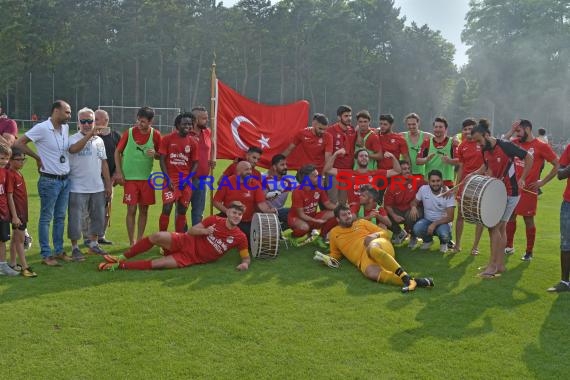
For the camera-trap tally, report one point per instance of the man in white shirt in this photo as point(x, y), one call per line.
point(277, 185)
point(438, 212)
point(89, 191)
point(51, 139)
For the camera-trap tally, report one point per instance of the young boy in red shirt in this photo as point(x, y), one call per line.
point(18, 204)
point(5, 153)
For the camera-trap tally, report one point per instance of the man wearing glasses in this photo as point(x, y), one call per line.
point(51, 139)
point(134, 157)
point(90, 184)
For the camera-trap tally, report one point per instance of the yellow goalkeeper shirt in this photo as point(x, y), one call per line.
point(349, 241)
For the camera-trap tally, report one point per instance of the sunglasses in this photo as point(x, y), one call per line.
point(19, 159)
point(86, 121)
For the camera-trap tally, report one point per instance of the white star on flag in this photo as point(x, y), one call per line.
point(264, 141)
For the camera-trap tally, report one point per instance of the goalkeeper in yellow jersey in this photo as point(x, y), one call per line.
point(368, 247)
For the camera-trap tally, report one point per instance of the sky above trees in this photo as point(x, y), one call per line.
point(447, 16)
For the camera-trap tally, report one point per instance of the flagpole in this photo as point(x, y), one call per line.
point(213, 126)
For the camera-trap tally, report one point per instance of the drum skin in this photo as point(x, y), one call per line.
point(483, 200)
point(264, 235)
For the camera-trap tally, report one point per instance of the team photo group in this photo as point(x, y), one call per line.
point(355, 187)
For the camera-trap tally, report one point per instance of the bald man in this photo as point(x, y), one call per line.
point(245, 188)
point(110, 139)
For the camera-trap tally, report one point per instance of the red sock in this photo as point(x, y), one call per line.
point(136, 265)
point(140, 246)
point(180, 223)
point(163, 221)
point(511, 229)
point(327, 226)
point(530, 236)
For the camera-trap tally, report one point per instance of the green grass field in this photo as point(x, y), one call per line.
point(288, 318)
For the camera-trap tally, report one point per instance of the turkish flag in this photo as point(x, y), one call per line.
point(242, 123)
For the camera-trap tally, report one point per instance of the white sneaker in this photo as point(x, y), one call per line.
point(413, 243)
point(6, 270)
point(443, 248)
point(509, 250)
point(426, 245)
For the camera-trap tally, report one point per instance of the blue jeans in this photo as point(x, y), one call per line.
point(198, 201)
point(565, 226)
point(443, 231)
point(54, 196)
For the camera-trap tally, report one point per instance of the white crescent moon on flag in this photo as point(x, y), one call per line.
point(235, 125)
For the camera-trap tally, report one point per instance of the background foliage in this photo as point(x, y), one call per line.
point(135, 52)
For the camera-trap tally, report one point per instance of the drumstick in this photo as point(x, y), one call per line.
point(449, 190)
point(530, 191)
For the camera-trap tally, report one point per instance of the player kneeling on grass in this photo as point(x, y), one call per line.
point(368, 247)
point(204, 243)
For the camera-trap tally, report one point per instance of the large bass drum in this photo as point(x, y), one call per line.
point(264, 236)
point(483, 200)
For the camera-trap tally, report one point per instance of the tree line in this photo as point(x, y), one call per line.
point(330, 52)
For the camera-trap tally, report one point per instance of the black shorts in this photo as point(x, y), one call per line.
point(4, 231)
point(21, 227)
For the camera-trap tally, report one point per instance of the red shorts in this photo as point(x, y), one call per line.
point(183, 196)
point(138, 193)
point(527, 204)
point(182, 249)
point(291, 220)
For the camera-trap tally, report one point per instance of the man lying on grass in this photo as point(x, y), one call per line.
point(368, 247)
point(204, 243)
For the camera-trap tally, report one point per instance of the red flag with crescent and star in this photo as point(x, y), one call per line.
point(242, 123)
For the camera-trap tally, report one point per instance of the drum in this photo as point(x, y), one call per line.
point(264, 235)
point(483, 200)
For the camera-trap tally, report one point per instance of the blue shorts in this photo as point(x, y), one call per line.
point(565, 226)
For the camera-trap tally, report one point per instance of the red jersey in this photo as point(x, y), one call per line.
point(401, 199)
point(4, 210)
point(16, 185)
point(204, 141)
point(180, 152)
point(313, 147)
point(565, 161)
point(469, 154)
point(231, 170)
point(355, 179)
point(394, 143)
point(210, 248)
point(540, 152)
point(372, 142)
point(343, 139)
point(139, 138)
point(308, 199)
point(234, 189)
point(499, 161)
